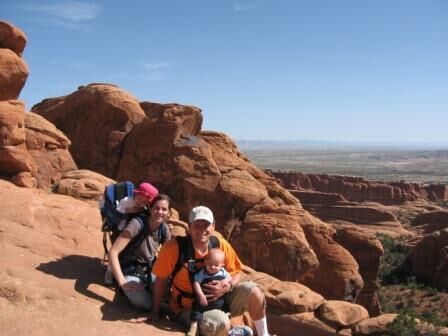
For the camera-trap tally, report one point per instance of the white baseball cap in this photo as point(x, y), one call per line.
point(201, 212)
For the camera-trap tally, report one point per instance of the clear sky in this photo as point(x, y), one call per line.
point(342, 70)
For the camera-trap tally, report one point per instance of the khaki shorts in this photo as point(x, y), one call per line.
point(238, 299)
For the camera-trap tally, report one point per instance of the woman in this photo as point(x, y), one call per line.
point(131, 265)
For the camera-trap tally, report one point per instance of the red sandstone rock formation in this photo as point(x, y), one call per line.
point(32, 151)
point(96, 118)
point(429, 259)
point(15, 162)
point(49, 148)
point(83, 184)
point(358, 189)
point(50, 257)
point(428, 222)
point(367, 251)
point(13, 69)
point(12, 38)
point(165, 146)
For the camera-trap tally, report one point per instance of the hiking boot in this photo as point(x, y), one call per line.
point(108, 277)
point(241, 331)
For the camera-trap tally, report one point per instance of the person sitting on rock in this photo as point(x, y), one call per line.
point(239, 296)
point(132, 267)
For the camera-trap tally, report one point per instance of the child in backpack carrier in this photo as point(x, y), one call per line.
point(213, 270)
point(144, 194)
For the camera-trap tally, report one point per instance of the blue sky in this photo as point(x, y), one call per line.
point(339, 70)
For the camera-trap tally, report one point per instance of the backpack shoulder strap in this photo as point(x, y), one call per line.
point(187, 256)
point(186, 252)
point(161, 234)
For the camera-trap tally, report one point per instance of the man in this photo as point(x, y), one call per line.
point(241, 296)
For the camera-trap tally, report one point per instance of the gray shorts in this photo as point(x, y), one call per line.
point(141, 299)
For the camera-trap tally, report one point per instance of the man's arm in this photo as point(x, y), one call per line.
point(157, 295)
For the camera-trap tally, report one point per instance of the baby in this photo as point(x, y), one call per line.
point(143, 196)
point(213, 270)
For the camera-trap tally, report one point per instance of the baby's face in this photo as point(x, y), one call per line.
point(213, 265)
point(141, 201)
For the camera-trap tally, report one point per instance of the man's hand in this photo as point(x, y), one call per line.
point(215, 289)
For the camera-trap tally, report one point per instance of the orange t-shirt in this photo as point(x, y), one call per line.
point(166, 262)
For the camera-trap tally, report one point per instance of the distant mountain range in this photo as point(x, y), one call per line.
point(335, 145)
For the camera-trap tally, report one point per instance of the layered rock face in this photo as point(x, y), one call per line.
point(358, 189)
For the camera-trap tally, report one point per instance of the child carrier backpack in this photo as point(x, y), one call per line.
point(113, 194)
point(186, 259)
point(112, 218)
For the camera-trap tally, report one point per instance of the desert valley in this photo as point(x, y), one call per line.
point(342, 242)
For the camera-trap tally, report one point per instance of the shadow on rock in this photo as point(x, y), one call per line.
point(87, 271)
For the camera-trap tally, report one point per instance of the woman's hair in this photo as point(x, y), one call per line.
point(161, 197)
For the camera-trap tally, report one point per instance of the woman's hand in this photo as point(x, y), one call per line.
point(132, 286)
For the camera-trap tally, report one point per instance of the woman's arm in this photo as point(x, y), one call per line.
point(119, 245)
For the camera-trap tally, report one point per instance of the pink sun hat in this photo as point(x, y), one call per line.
point(147, 190)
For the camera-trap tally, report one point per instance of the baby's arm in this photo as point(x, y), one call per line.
point(199, 293)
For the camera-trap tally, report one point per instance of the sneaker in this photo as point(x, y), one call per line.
point(241, 331)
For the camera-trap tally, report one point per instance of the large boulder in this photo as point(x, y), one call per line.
point(83, 184)
point(367, 251)
point(13, 74)
point(341, 313)
point(375, 326)
point(14, 157)
point(49, 148)
point(429, 259)
point(96, 118)
point(337, 277)
point(12, 38)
